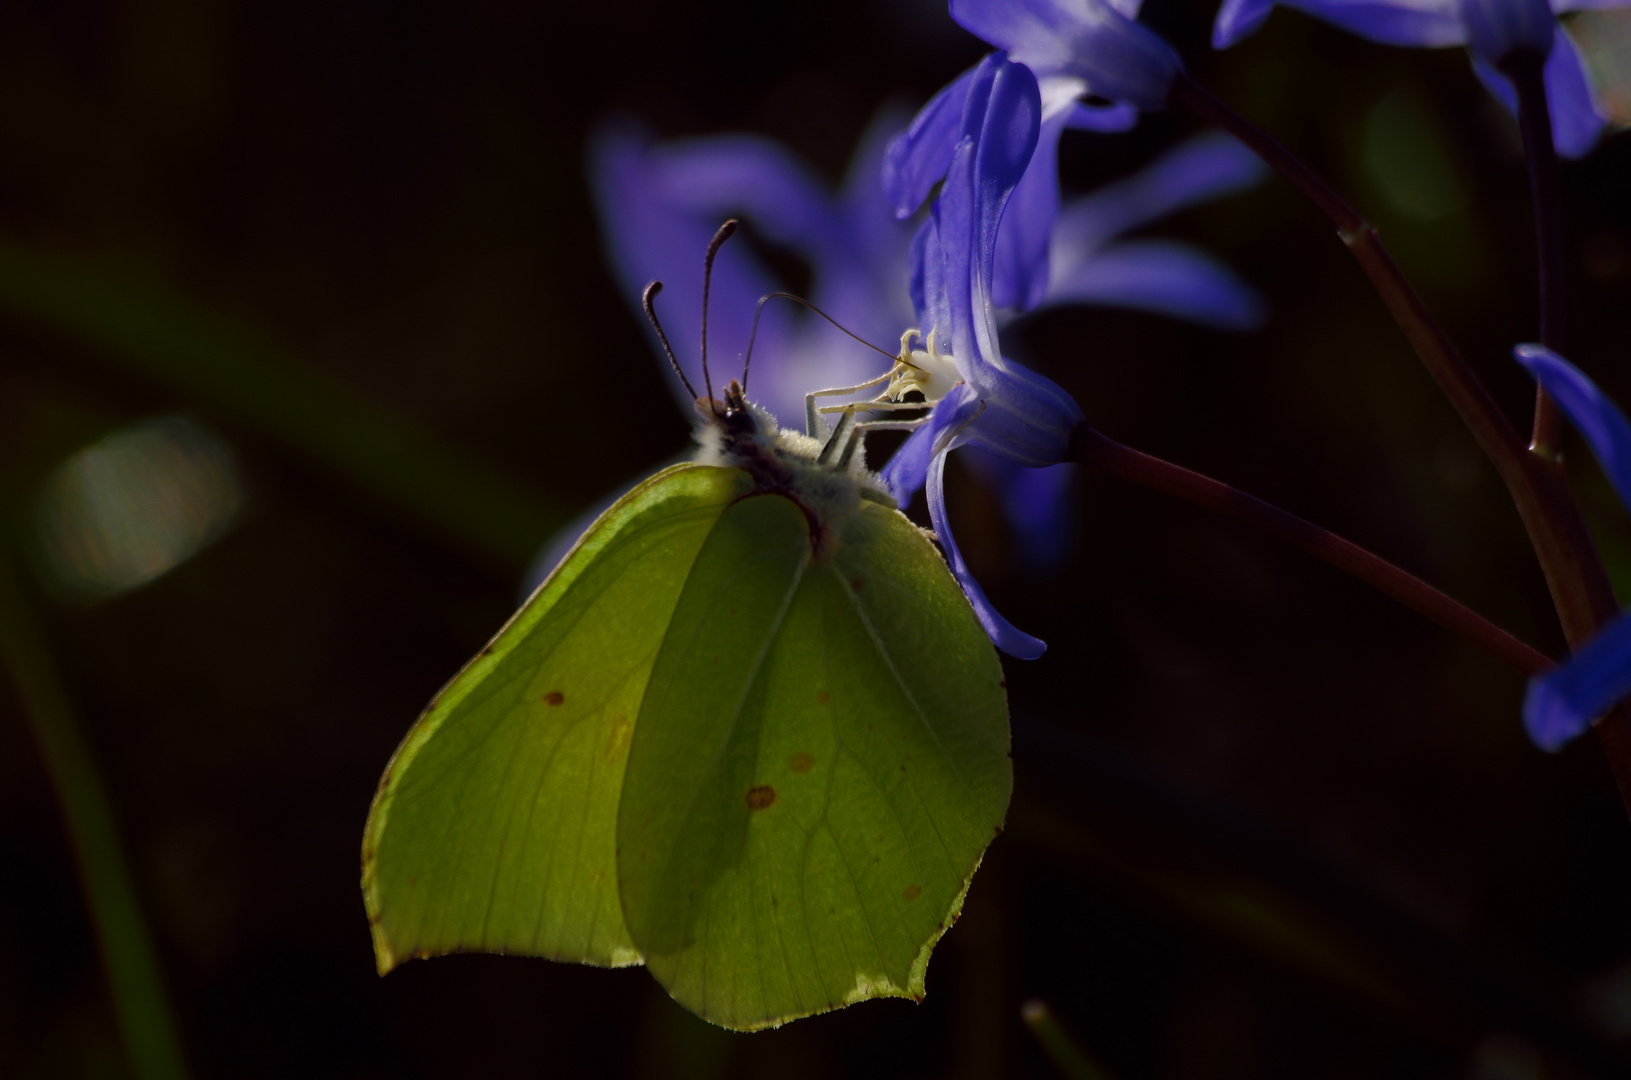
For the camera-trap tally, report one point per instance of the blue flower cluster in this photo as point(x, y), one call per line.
point(997, 236)
point(956, 225)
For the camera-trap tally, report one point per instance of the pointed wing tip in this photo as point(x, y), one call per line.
point(385, 961)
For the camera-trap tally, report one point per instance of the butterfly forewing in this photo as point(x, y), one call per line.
point(494, 826)
point(795, 833)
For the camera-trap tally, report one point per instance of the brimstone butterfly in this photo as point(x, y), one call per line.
point(749, 733)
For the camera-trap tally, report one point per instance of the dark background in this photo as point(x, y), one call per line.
point(1267, 823)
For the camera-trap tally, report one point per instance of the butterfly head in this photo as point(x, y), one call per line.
point(733, 416)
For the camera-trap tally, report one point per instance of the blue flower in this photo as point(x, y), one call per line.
point(1074, 48)
point(979, 397)
point(1492, 30)
point(1089, 262)
point(660, 203)
point(1563, 703)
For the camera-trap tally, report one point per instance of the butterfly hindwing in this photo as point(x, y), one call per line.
point(494, 825)
point(795, 834)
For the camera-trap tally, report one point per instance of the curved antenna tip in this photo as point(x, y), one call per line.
point(725, 232)
point(647, 295)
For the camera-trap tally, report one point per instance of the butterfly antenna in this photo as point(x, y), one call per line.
point(726, 231)
point(647, 301)
point(766, 298)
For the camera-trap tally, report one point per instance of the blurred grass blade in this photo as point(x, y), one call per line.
point(139, 999)
point(227, 368)
point(1058, 1043)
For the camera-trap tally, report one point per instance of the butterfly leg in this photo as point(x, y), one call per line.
point(813, 426)
point(840, 443)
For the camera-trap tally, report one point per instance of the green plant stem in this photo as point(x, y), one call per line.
point(1092, 448)
point(1526, 69)
point(137, 989)
point(1058, 1043)
point(224, 367)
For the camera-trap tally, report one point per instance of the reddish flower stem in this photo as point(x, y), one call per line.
point(1092, 448)
point(1557, 531)
point(1526, 69)
point(1574, 573)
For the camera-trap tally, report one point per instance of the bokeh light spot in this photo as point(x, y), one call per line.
point(136, 504)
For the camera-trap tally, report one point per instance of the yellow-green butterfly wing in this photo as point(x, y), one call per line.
point(762, 759)
point(494, 826)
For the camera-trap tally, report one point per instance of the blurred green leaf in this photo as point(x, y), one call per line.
point(225, 367)
point(137, 989)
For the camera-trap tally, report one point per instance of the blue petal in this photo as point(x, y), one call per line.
point(856, 278)
point(918, 157)
point(1593, 415)
point(1577, 119)
point(1497, 28)
point(1238, 19)
point(1027, 418)
point(983, 173)
point(1104, 119)
point(751, 177)
point(907, 470)
point(1208, 166)
point(928, 287)
point(1399, 22)
point(649, 235)
point(875, 241)
point(922, 263)
point(1120, 59)
point(905, 473)
point(1497, 84)
point(1165, 277)
point(1039, 504)
point(1004, 635)
point(1563, 704)
point(1020, 272)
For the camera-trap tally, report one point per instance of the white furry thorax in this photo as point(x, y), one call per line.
point(787, 463)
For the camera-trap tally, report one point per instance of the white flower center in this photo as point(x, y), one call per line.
point(925, 370)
